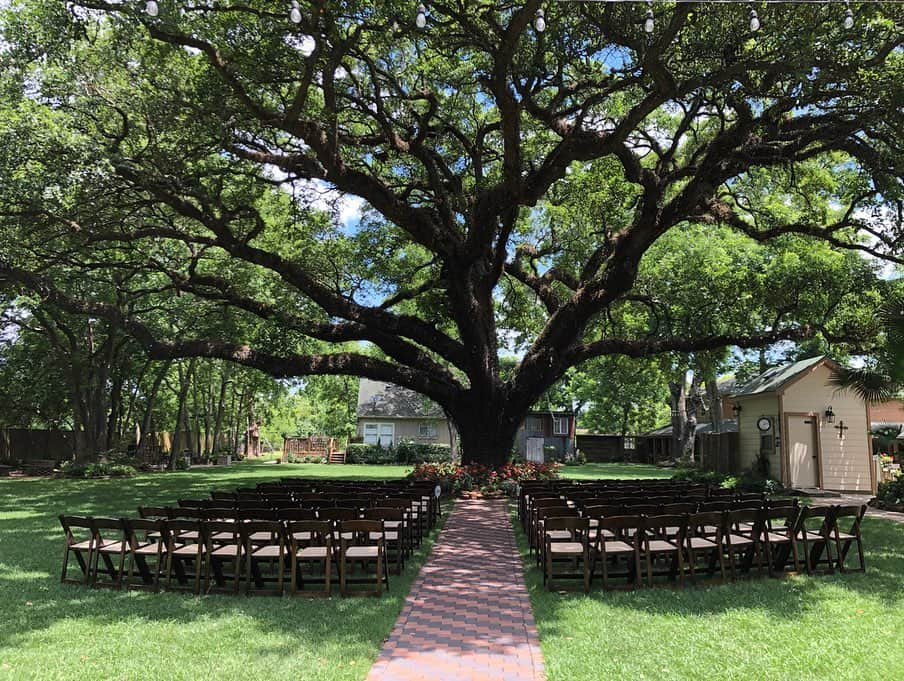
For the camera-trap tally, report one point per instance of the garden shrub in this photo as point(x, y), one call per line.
point(412, 453)
point(307, 458)
point(456, 478)
point(405, 452)
point(892, 491)
point(373, 454)
point(746, 482)
point(71, 469)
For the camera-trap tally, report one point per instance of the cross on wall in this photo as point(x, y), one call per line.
point(841, 428)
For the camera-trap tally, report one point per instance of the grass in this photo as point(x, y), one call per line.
point(49, 631)
point(625, 471)
point(831, 626)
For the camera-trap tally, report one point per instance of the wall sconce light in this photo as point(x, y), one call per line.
point(830, 415)
point(736, 408)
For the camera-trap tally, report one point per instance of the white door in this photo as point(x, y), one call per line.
point(802, 449)
point(534, 449)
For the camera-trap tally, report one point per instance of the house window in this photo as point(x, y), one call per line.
point(534, 424)
point(427, 429)
point(630, 443)
point(379, 433)
point(560, 425)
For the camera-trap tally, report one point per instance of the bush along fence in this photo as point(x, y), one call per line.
point(456, 478)
point(746, 482)
point(404, 453)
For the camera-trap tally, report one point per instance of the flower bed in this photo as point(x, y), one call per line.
point(458, 479)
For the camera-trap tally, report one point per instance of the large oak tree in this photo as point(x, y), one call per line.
point(180, 150)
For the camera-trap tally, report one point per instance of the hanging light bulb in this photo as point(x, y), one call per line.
point(848, 19)
point(295, 13)
point(754, 21)
point(540, 21)
point(151, 8)
point(648, 25)
point(421, 20)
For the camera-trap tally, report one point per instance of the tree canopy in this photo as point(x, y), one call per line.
point(513, 185)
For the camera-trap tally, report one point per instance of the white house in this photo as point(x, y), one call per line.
point(812, 434)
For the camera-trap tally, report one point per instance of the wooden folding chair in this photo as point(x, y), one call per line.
point(663, 538)
point(742, 533)
point(111, 547)
point(844, 539)
point(362, 542)
point(394, 531)
point(147, 552)
point(225, 552)
point(779, 533)
point(566, 540)
point(618, 538)
point(79, 538)
point(704, 536)
point(185, 548)
point(311, 543)
point(540, 516)
point(257, 550)
point(814, 531)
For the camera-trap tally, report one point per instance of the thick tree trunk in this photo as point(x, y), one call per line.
point(149, 407)
point(184, 383)
point(487, 433)
point(220, 408)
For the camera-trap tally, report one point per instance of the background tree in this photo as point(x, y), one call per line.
point(186, 150)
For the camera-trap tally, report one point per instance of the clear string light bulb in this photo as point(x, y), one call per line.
point(421, 20)
point(295, 13)
point(848, 19)
point(151, 8)
point(648, 25)
point(540, 21)
point(754, 21)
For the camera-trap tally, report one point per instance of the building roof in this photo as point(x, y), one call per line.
point(774, 379)
point(728, 426)
point(387, 400)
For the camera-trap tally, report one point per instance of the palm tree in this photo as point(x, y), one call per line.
point(882, 380)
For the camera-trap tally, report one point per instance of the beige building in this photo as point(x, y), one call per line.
point(812, 434)
point(389, 414)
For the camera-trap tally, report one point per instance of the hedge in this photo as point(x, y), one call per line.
point(404, 453)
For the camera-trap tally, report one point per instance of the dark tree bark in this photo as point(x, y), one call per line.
point(457, 187)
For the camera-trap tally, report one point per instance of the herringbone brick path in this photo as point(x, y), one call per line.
point(468, 615)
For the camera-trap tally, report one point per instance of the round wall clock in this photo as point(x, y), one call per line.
point(764, 423)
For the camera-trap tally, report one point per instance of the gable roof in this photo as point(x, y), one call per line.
point(387, 400)
point(774, 379)
point(727, 426)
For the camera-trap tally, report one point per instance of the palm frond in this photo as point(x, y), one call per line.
point(869, 384)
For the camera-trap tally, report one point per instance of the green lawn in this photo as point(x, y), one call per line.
point(50, 631)
point(625, 471)
point(824, 627)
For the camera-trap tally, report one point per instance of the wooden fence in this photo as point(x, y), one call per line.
point(29, 444)
point(719, 452)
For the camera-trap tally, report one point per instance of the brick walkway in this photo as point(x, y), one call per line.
point(855, 499)
point(468, 615)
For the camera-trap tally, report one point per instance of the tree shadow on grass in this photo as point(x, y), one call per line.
point(32, 600)
point(782, 598)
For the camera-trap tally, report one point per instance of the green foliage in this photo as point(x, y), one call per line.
point(306, 459)
point(746, 482)
point(697, 475)
point(100, 469)
point(404, 452)
point(892, 491)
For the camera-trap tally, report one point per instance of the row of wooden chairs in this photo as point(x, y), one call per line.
point(221, 555)
point(402, 529)
point(642, 547)
point(545, 506)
